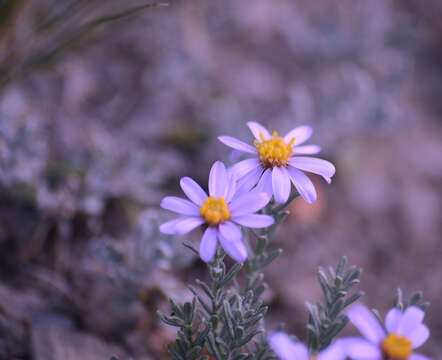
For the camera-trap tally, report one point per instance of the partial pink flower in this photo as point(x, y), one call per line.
point(277, 162)
point(287, 349)
point(404, 332)
point(223, 211)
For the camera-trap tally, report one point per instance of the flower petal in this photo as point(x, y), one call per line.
point(366, 323)
point(188, 224)
point(193, 191)
point(303, 184)
point(256, 221)
point(281, 184)
point(217, 179)
point(248, 203)
point(181, 225)
point(286, 348)
point(169, 227)
point(248, 181)
point(314, 165)
point(333, 352)
point(243, 167)
point(411, 319)
point(230, 231)
point(418, 357)
point(235, 155)
point(208, 244)
point(230, 188)
point(306, 150)
point(360, 349)
point(180, 206)
point(392, 319)
point(230, 237)
point(419, 335)
point(258, 130)
point(237, 144)
point(300, 133)
point(265, 183)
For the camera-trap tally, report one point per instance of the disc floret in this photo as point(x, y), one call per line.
point(397, 347)
point(275, 151)
point(215, 211)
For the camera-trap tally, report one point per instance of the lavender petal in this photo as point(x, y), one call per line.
point(247, 182)
point(243, 167)
point(218, 180)
point(314, 165)
point(256, 221)
point(419, 335)
point(366, 323)
point(180, 206)
point(411, 319)
point(360, 349)
point(265, 183)
point(392, 319)
point(230, 238)
point(193, 191)
point(230, 189)
point(286, 348)
point(169, 227)
point(188, 224)
point(306, 150)
point(237, 144)
point(418, 357)
point(303, 184)
point(300, 133)
point(181, 225)
point(258, 130)
point(208, 244)
point(248, 203)
point(280, 184)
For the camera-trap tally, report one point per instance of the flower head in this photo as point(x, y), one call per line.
point(404, 333)
point(276, 162)
point(222, 212)
point(287, 349)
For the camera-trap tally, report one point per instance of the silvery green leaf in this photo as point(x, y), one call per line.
point(424, 306)
point(415, 298)
point(173, 353)
point(205, 288)
point(247, 338)
point(353, 298)
point(231, 273)
point(192, 247)
point(272, 256)
point(341, 265)
point(398, 300)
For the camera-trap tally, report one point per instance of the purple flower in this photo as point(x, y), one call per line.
point(405, 332)
point(276, 162)
point(287, 349)
point(222, 212)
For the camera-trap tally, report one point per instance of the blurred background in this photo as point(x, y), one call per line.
point(104, 106)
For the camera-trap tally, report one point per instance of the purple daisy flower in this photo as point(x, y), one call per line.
point(276, 162)
point(287, 349)
point(222, 212)
point(405, 332)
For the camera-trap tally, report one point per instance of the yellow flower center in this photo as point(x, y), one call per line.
point(313, 357)
point(215, 211)
point(397, 347)
point(274, 152)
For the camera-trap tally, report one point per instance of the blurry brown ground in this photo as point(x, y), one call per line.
point(91, 140)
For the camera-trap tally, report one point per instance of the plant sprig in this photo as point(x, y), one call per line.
point(228, 316)
point(326, 319)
